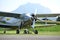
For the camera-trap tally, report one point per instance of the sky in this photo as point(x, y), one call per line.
point(11, 5)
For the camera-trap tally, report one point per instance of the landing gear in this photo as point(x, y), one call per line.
point(4, 31)
point(17, 31)
point(26, 31)
point(35, 32)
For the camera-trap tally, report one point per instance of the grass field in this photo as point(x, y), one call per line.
point(54, 28)
point(43, 30)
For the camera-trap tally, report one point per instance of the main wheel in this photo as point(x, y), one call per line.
point(35, 31)
point(4, 31)
point(17, 31)
point(26, 31)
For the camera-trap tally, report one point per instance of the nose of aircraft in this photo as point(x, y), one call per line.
point(28, 15)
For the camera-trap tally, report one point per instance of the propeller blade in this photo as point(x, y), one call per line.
point(33, 25)
point(35, 11)
point(34, 18)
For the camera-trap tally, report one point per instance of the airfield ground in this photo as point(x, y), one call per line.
point(28, 37)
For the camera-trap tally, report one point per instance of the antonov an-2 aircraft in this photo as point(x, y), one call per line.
point(14, 19)
point(20, 20)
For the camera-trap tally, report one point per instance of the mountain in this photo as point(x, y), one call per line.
point(30, 8)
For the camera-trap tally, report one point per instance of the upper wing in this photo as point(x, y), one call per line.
point(7, 14)
point(47, 15)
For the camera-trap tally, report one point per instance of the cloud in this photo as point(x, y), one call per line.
point(31, 7)
point(10, 5)
point(53, 5)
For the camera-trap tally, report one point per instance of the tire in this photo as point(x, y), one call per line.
point(35, 31)
point(17, 31)
point(26, 32)
point(4, 31)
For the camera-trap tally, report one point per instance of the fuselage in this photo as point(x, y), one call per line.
point(24, 20)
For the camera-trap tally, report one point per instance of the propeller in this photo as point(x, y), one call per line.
point(34, 19)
